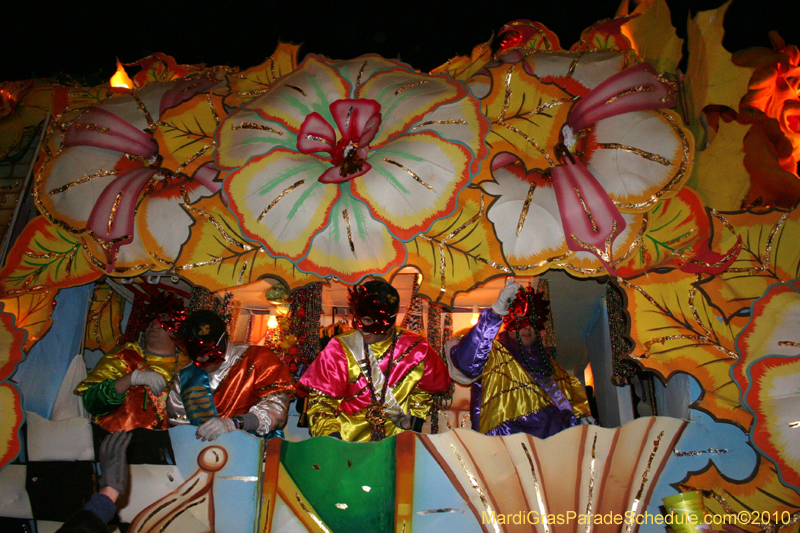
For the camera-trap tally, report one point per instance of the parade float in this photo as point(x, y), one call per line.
point(269, 190)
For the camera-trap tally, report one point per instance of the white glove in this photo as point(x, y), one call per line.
point(405, 422)
point(212, 429)
point(150, 379)
point(505, 298)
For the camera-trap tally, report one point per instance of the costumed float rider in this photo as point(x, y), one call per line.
point(516, 385)
point(129, 386)
point(377, 380)
point(229, 386)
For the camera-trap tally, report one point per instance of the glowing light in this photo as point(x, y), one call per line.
point(120, 78)
point(588, 376)
point(475, 315)
point(272, 322)
point(366, 488)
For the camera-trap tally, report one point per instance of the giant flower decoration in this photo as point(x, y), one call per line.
point(590, 150)
point(102, 160)
point(341, 162)
point(768, 375)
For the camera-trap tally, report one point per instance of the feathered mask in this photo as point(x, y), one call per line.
point(377, 300)
point(529, 308)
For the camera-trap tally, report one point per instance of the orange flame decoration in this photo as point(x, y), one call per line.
point(121, 78)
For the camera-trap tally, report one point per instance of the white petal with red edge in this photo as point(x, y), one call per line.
point(541, 235)
point(247, 134)
point(414, 179)
point(590, 70)
point(406, 97)
point(311, 88)
point(74, 203)
point(279, 201)
point(374, 250)
point(648, 158)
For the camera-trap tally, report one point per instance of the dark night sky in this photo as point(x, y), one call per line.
point(83, 38)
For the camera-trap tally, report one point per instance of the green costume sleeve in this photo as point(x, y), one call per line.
point(102, 398)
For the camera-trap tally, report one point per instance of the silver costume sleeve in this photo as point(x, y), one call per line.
point(272, 413)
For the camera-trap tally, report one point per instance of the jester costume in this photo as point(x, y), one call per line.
point(251, 379)
point(344, 385)
point(139, 407)
point(514, 391)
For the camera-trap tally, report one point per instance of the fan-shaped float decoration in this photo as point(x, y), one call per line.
point(190, 507)
point(340, 162)
point(585, 470)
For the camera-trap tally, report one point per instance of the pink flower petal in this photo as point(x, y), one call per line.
point(316, 135)
point(206, 175)
point(356, 118)
point(102, 129)
point(113, 215)
point(184, 90)
point(634, 89)
point(587, 213)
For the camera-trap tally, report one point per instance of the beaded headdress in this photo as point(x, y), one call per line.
point(375, 299)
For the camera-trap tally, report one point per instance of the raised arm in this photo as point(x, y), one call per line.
point(470, 353)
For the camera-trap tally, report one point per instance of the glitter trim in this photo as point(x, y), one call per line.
point(225, 235)
point(538, 489)
point(150, 122)
point(192, 158)
point(410, 85)
point(525, 206)
point(298, 89)
point(360, 72)
point(508, 92)
point(346, 217)
point(475, 485)
point(625, 148)
point(592, 472)
point(645, 474)
point(675, 179)
point(279, 198)
point(605, 255)
point(83, 179)
point(632, 90)
point(117, 201)
point(459, 121)
point(694, 453)
point(586, 210)
point(254, 126)
point(410, 173)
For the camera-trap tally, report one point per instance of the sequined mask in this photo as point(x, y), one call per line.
point(365, 304)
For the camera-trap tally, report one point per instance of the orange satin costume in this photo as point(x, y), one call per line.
point(139, 407)
point(257, 375)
